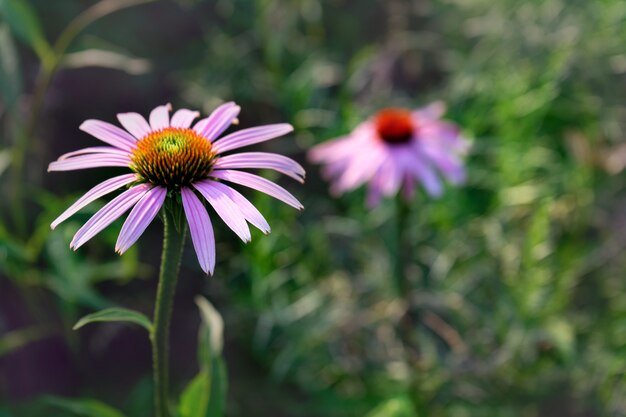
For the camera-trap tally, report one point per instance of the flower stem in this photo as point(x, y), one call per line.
point(403, 287)
point(173, 242)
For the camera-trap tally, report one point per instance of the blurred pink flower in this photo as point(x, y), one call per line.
point(395, 149)
point(168, 157)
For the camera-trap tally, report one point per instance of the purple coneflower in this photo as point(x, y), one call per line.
point(397, 148)
point(168, 158)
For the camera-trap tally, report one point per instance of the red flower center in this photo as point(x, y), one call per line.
point(395, 125)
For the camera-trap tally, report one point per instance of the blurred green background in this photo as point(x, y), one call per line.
point(518, 277)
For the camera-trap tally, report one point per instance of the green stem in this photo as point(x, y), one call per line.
point(173, 242)
point(399, 247)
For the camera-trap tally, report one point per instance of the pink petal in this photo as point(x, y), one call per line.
point(95, 150)
point(444, 134)
point(448, 163)
point(249, 212)
point(360, 168)
point(343, 147)
point(251, 136)
point(108, 133)
point(90, 161)
point(201, 230)
point(418, 166)
point(96, 192)
point(432, 111)
point(258, 183)
point(160, 117)
point(392, 172)
point(140, 217)
point(225, 208)
point(135, 124)
point(265, 160)
point(108, 214)
point(408, 188)
point(373, 194)
point(183, 118)
point(218, 121)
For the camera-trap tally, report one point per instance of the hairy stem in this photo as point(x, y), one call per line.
point(173, 242)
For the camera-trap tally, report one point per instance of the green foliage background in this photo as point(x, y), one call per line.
point(518, 276)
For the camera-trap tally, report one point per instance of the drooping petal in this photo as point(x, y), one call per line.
point(135, 123)
point(96, 192)
point(265, 160)
point(408, 188)
point(392, 171)
point(374, 195)
point(140, 217)
point(258, 183)
point(247, 137)
point(418, 166)
point(108, 214)
point(183, 118)
point(160, 117)
point(94, 150)
point(448, 164)
point(213, 126)
point(360, 168)
point(201, 230)
point(109, 133)
point(90, 161)
point(225, 208)
point(249, 212)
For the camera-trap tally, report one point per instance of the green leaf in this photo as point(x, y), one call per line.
point(106, 59)
point(400, 406)
point(140, 400)
point(195, 398)
point(10, 75)
point(219, 386)
point(25, 24)
point(213, 322)
point(205, 395)
point(116, 314)
point(83, 407)
point(15, 339)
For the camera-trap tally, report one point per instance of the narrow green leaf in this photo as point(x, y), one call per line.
point(10, 75)
point(212, 320)
point(205, 395)
point(219, 387)
point(15, 339)
point(140, 399)
point(194, 401)
point(106, 59)
point(83, 407)
point(25, 24)
point(116, 314)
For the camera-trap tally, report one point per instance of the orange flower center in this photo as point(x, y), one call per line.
point(394, 125)
point(173, 157)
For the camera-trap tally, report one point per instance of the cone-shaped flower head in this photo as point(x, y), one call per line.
point(169, 158)
point(395, 149)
